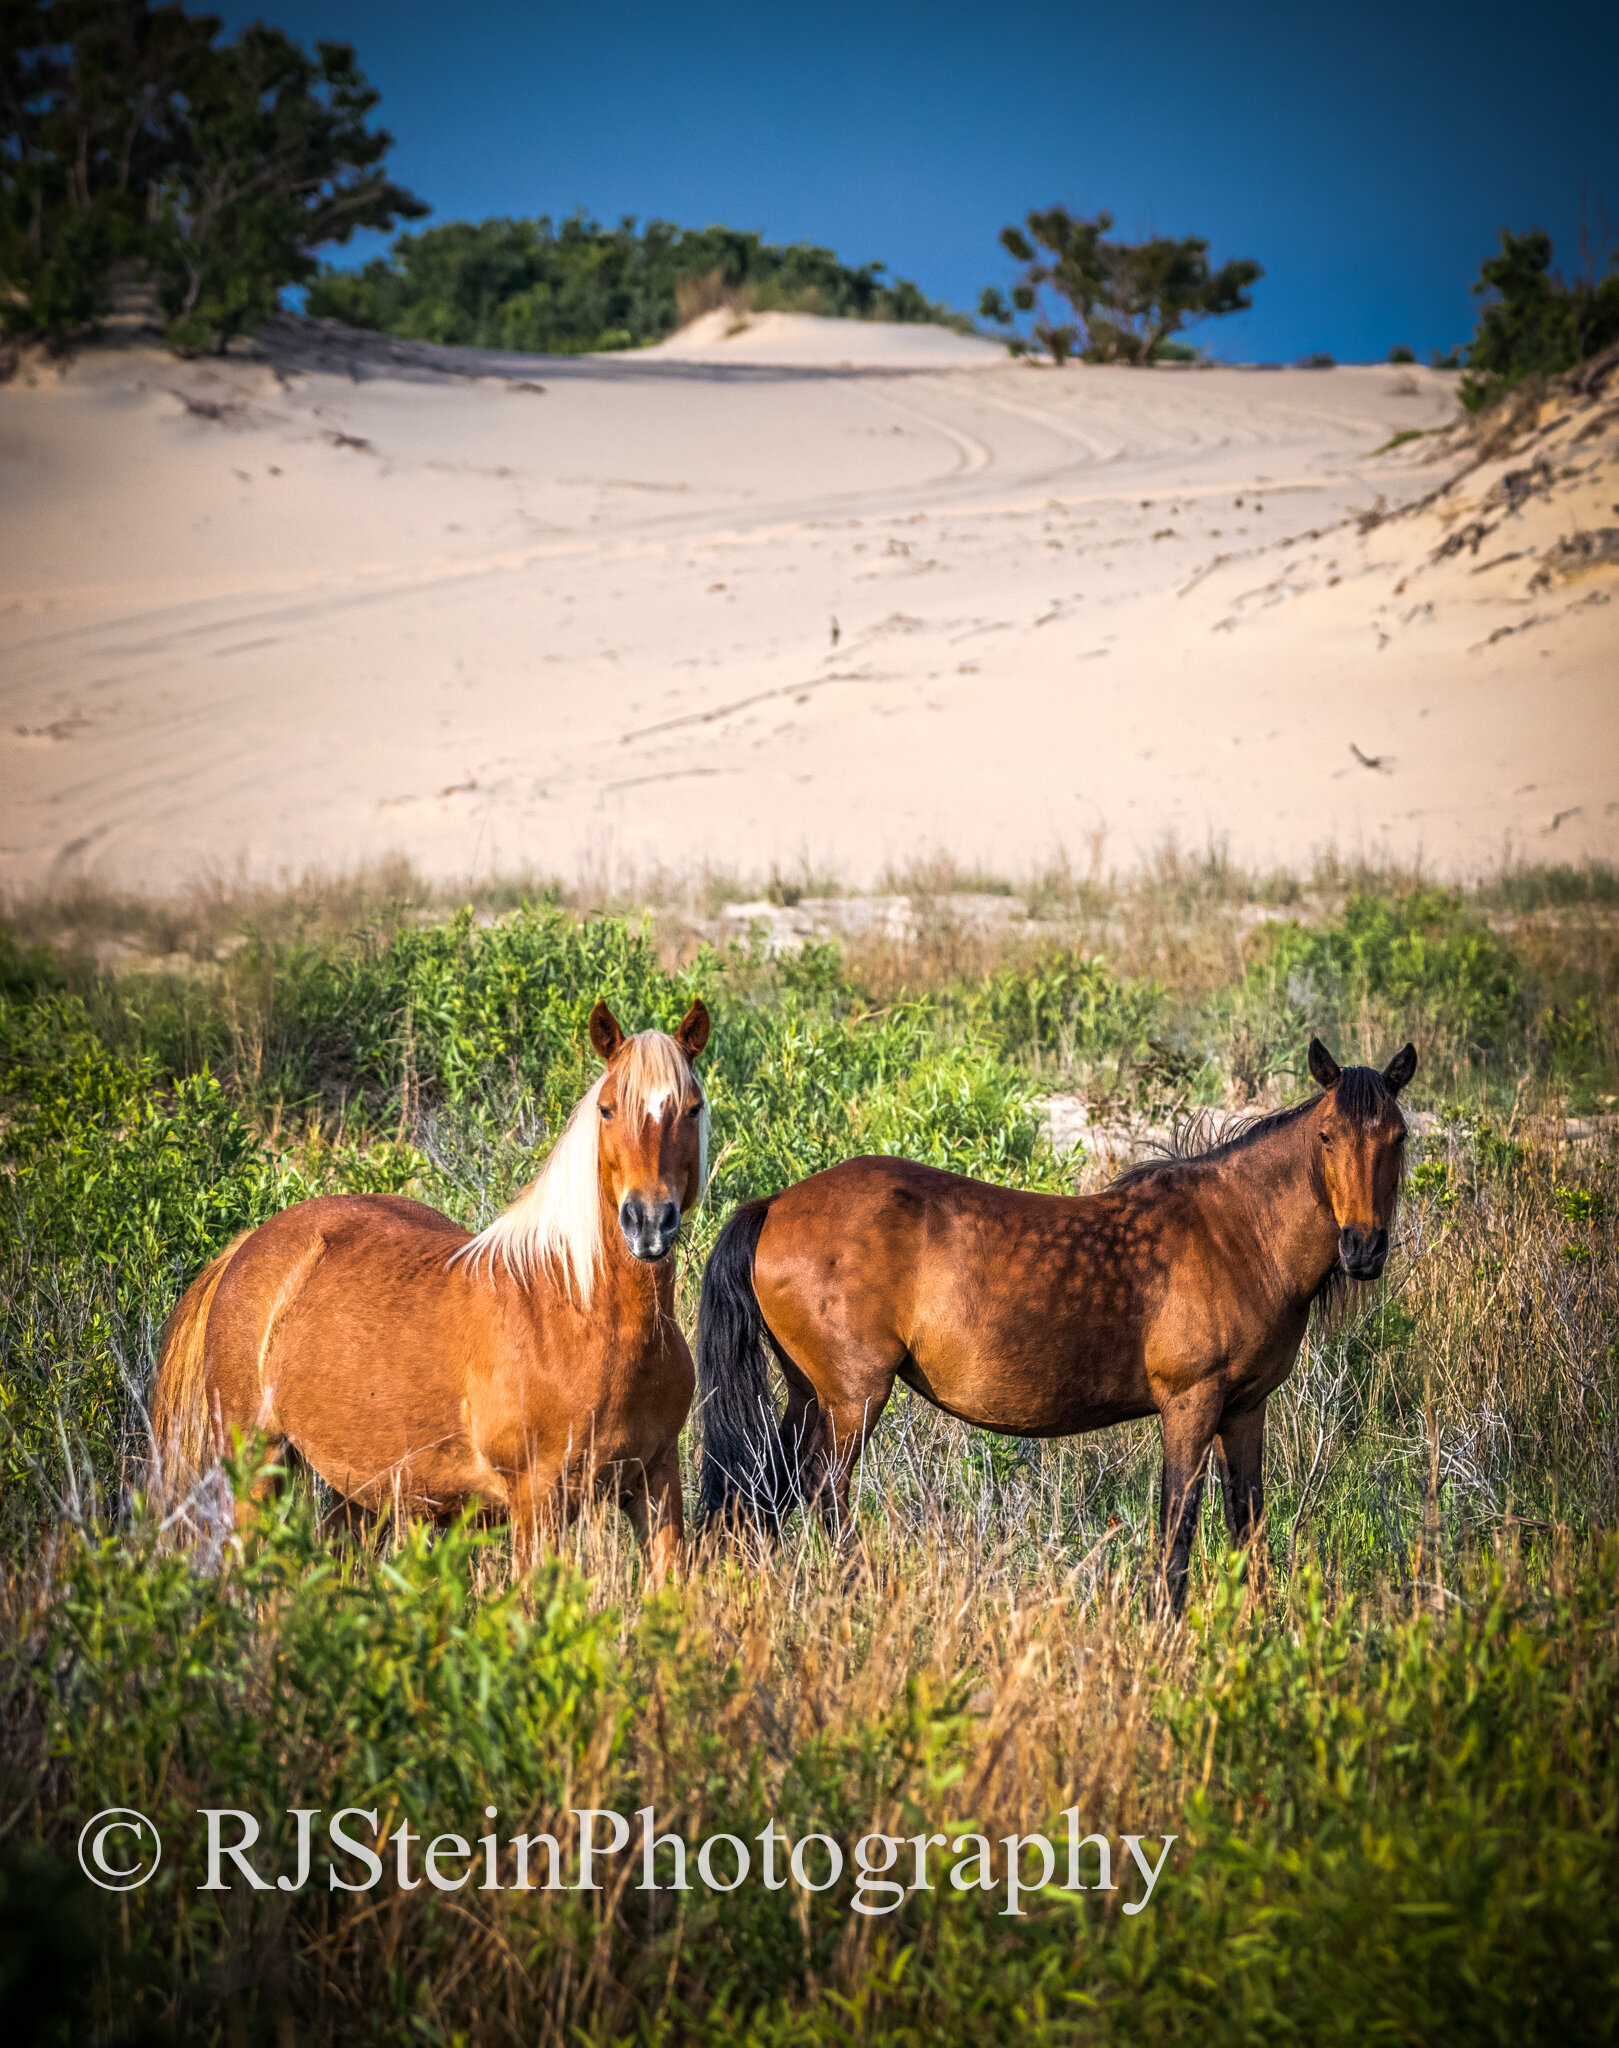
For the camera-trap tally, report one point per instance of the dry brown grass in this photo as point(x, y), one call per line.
point(695, 296)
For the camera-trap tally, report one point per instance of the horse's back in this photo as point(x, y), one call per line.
point(904, 1194)
point(899, 1210)
point(366, 1247)
point(352, 1219)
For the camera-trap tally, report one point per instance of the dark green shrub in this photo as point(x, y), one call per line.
point(1532, 323)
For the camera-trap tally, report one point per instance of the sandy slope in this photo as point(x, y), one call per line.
point(497, 612)
point(795, 341)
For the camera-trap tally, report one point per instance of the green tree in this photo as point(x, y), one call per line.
point(88, 127)
point(560, 288)
point(130, 134)
point(280, 162)
point(1127, 298)
point(1532, 322)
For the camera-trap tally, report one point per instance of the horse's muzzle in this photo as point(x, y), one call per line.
point(649, 1229)
point(1363, 1253)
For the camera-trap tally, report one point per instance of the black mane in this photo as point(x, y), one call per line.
point(1361, 1095)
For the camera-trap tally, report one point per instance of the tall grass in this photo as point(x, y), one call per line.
point(1393, 1789)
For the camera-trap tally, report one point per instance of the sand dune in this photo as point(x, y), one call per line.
point(797, 341)
point(494, 612)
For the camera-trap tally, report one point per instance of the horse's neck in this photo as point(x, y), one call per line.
point(642, 1296)
point(1293, 1222)
point(626, 1294)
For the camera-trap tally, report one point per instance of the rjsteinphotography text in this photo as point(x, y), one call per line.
point(359, 1854)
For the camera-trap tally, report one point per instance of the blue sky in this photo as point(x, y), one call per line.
point(1367, 155)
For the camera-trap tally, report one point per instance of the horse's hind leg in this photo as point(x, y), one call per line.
point(1239, 1452)
point(834, 1448)
point(346, 1521)
point(1189, 1426)
point(799, 1435)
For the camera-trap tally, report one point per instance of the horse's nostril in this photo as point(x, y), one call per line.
point(648, 1230)
point(1362, 1251)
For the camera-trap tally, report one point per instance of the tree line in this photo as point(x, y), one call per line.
point(562, 288)
point(136, 141)
point(1128, 302)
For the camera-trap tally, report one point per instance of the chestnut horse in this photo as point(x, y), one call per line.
point(412, 1365)
point(1183, 1290)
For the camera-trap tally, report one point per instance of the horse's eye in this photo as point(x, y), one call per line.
point(695, 1110)
point(1326, 1137)
point(607, 1114)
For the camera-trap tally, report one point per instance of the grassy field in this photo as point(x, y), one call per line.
point(1392, 1790)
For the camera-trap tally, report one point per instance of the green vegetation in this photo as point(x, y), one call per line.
point(563, 289)
point(1400, 1822)
point(132, 140)
point(1395, 1789)
point(1128, 299)
point(1533, 323)
point(138, 149)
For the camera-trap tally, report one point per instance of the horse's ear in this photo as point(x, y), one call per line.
point(692, 1035)
point(1400, 1069)
point(605, 1035)
point(1323, 1067)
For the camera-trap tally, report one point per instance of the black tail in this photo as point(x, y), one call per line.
point(746, 1476)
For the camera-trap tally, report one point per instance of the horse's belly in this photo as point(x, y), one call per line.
point(1031, 1402)
point(1051, 1362)
point(383, 1424)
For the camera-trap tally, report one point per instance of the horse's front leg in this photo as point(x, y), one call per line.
point(1189, 1423)
point(1240, 1455)
point(650, 1495)
point(539, 1506)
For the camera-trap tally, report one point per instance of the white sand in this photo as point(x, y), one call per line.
point(799, 341)
point(400, 603)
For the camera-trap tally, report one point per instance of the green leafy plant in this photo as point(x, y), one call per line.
point(1418, 955)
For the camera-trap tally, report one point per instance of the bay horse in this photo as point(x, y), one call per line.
point(412, 1365)
point(1183, 1290)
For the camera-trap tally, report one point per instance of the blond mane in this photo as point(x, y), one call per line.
point(555, 1225)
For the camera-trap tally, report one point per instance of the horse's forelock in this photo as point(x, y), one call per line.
point(555, 1223)
point(654, 1069)
point(651, 1068)
point(1361, 1095)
